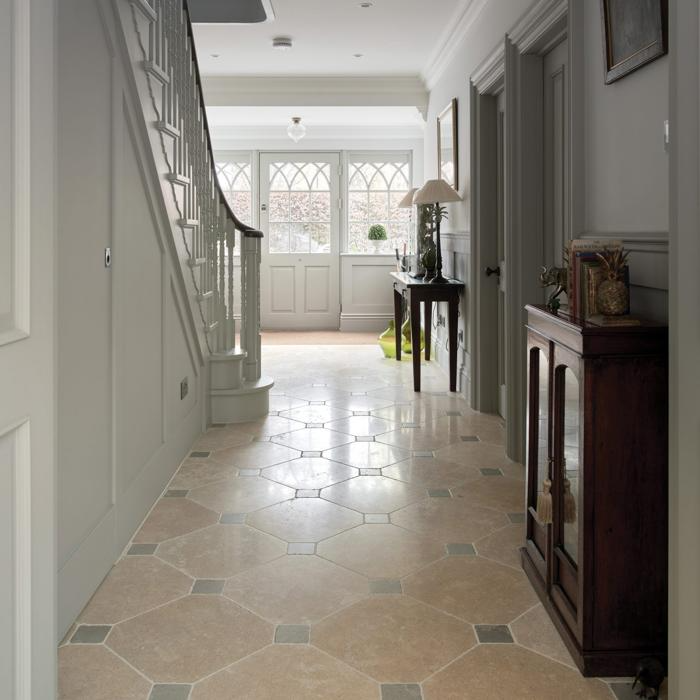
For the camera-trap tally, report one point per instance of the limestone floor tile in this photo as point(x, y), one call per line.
point(504, 494)
point(172, 517)
point(313, 439)
point(476, 454)
point(255, 455)
point(241, 495)
point(535, 631)
point(289, 672)
point(267, 426)
point(365, 455)
point(189, 639)
point(220, 551)
point(309, 473)
point(304, 520)
point(285, 403)
point(360, 403)
point(487, 428)
point(133, 586)
point(474, 589)
point(316, 393)
point(393, 639)
point(361, 426)
point(381, 551)
point(294, 589)
point(316, 414)
point(503, 546)
point(499, 671)
point(200, 472)
point(397, 394)
point(415, 412)
point(222, 438)
point(449, 520)
point(425, 437)
point(355, 384)
point(93, 672)
point(373, 494)
point(431, 473)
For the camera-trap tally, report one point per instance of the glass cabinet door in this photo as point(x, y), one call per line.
point(542, 423)
point(570, 465)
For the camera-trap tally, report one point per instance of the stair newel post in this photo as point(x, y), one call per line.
point(230, 320)
point(250, 309)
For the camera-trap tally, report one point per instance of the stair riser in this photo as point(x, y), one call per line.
point(226, 375)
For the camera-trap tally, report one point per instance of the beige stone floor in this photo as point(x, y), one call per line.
point(358, 543)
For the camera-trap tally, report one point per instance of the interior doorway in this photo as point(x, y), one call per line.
point(300, 210)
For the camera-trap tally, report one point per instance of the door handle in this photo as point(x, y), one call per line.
point(493, 271)
point(263, 207)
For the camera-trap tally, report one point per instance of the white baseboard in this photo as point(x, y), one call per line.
point(364, 323)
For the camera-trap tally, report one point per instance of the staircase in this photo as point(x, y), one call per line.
point(160, 44)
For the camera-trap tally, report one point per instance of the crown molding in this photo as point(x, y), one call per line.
point(536, 24)
point(487, 76)
point(321, 132)
point(448, 44)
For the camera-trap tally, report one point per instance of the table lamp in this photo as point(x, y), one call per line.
point(434, 192)
point(407, 203)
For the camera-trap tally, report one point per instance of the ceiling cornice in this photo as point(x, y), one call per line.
point(446, 47)
point(319, 132)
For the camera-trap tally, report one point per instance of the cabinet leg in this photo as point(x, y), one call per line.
point(415, 340)
point(398, 303)
point(427, 322)
point(452, 332)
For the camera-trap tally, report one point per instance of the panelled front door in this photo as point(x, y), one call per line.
point(300, 215)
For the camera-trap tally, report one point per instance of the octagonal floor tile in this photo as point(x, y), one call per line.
point(449, 520)
point(488, 428)
point(503, 546)
point(285, 403)
point(415, 412)
point(536, 631)
point(316, 393)
point(221, 438)
point(425, 437)
point(172, 517)
point(430, 473)
point(474, 589)
point(241, 495)
point(397, 394)
point(268, 426)
point(497, 671)
point(360, 403)
point(186, 640)
point(296, 590)
point(361, 426)
point(93, 672)
point(255, 455)
point(304, 520)
point(373, 494)
point(367, 455)
point(501, 493)
point(309, 473)
point(312, 439)
point(200, 472)
point(134, 586)
point(293, 672)
point(476, 454)
point(381, 551)
point(393, 639)
point(316, 414)
point(220, 551)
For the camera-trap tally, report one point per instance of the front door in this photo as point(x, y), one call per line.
point(300, 215)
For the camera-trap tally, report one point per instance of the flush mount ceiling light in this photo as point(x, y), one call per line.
point(358, 55)
point(365, 5)
point(282, 43)
point(296, 130)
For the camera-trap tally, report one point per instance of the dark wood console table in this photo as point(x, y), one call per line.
point(418, 291)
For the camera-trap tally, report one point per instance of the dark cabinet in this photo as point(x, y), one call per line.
point(597, 487)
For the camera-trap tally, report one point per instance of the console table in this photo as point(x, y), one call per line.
point(417, 291)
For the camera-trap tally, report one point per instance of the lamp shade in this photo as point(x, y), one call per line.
point(436, 191)
point(407, 201)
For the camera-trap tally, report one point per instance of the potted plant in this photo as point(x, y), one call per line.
point(376, 234)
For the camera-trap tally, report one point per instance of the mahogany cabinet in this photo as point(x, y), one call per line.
point(597, 431)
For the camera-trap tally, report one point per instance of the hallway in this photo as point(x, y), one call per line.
point(359, 543)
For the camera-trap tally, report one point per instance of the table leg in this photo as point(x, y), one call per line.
point(415, 339)
point(428, 323)
point(452, 333)
point(398, 299)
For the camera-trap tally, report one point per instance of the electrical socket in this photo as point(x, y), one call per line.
point(184, 388)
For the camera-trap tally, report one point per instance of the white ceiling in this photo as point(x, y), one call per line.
point(396, 37)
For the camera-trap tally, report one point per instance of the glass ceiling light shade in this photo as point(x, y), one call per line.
point(407, 201)
point(296, 130)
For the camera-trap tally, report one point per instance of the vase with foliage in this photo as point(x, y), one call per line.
point(387, 341)
point(377, 234)
point(613, 297)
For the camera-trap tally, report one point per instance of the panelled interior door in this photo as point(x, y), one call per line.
point(501, 172)
point(300, 215)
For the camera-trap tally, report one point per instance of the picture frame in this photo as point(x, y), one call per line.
point(448, 160)
point(635, 32)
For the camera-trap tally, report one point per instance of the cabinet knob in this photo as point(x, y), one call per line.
point(493, 271)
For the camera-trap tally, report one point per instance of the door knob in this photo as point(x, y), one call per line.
point(263, 207)
point(493, 271)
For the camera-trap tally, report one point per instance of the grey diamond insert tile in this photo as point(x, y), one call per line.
point(199, 455)
point(386, 587)
point(460, 549)
point(516, 518)
point(141, 549)
point(314, 425)
point(360, 413)
point(308, 493)
point(248, 472)
point(310, 454)
point(170, 691)
point(292, 634)
point(370, 472)
point(377, 518)
point(488, 471)
point(410, 425)
point(233, 518)
point(317, 403)
point(439, 493)
point(301, 548)
point(175, 493)
point(205, 586)
point(423, 453)
point(493, 634)
point(90, 634)
point(365, 438)
point(469, 438)
point(401, 691)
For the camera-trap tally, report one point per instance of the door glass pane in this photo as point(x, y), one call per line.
point(300, 208)
point(571, 464)
point(543, 422)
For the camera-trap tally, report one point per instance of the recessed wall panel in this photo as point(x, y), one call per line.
point(317, 289)
point(282, 289)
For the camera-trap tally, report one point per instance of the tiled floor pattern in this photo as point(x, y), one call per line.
point(359, 543)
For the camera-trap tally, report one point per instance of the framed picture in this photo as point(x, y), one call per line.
point(447, 145)
point(635, 32)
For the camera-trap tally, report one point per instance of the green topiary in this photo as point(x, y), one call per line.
point(376, 233)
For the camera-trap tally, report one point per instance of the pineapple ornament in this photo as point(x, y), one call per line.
point(613, 295)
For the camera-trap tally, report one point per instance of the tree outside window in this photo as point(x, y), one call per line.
point(236, 183)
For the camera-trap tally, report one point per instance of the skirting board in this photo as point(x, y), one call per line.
point(364, 323)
